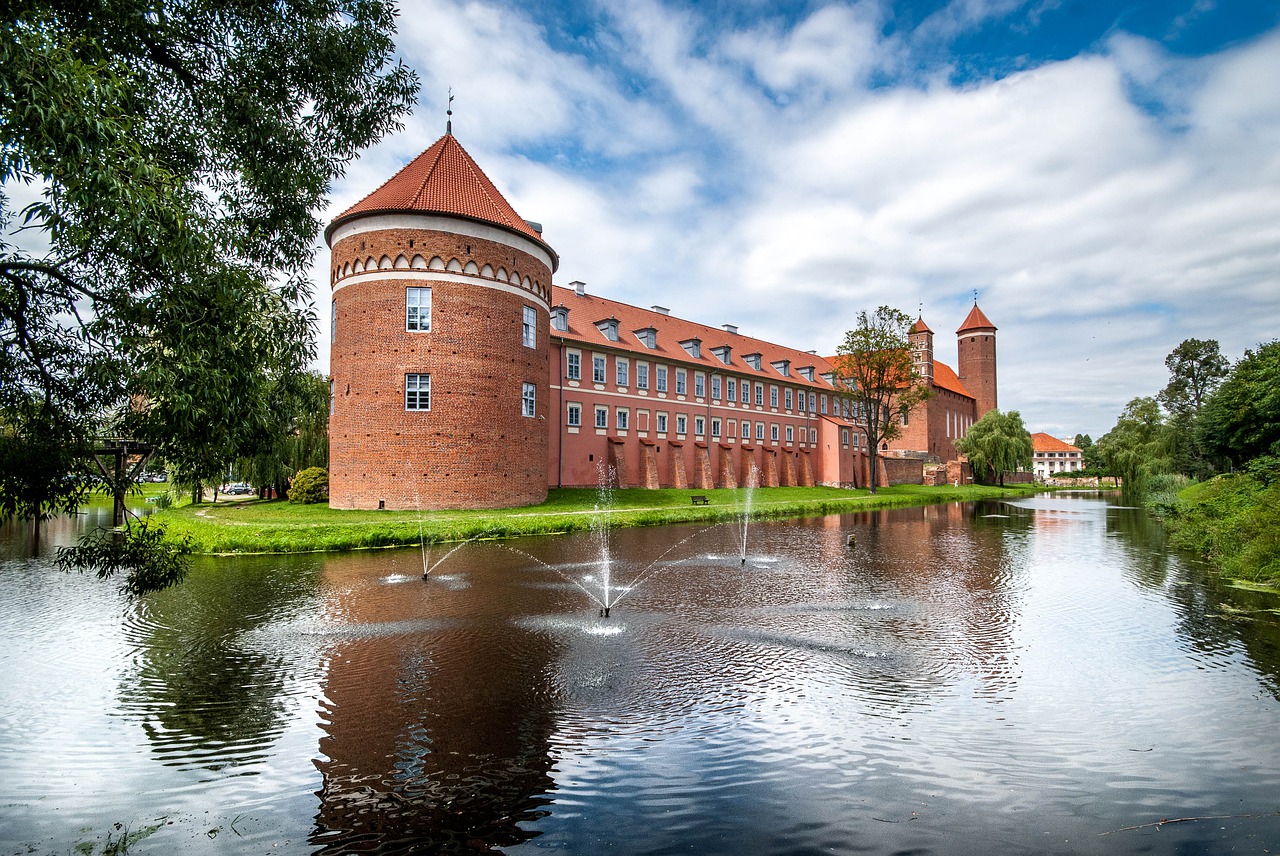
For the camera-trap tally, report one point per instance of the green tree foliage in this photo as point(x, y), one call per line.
point(1137, 446)
point(996, 444)
point(1090, 457)
point(1241, 420)
point(298, 437)
point(44, 467)
point(875, 373)
point(176, 153)
point(1196, 368)
point(310, 485)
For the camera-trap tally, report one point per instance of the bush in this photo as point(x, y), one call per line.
point(310, 485)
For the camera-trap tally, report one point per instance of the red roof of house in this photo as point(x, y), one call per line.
point(976, 321)
point(442, 180)
point(944, 377)
point(588, 309)
point(1048, 443)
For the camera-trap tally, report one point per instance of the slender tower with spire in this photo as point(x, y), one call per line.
point(976, 358)
point(440, 355)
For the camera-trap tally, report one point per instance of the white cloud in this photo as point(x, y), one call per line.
point(1105, 207)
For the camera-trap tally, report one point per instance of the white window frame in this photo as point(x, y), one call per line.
point(773, 396)
point(599, 368)
point(416, 390)
point(759, 395)
point(699, 426)
point(529, 399)
point(791, 434)
point(662, 422)
point(642, 375)
point(731, 394)
point(661, 379)
point(573, 414)
point(716, 387)
point(699, 385)
point(414, 309)
point(622, 371)
point(602, 416)
point(715, 426)
point(529, 327)
point(682, 423)
point(573, 365)
point(773, 432)
point(682, 382)
point(760, 431)
point(623, 418)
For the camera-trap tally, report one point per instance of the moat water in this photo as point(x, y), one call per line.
point(1038, 676)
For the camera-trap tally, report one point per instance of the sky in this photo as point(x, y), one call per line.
point(1104, 177)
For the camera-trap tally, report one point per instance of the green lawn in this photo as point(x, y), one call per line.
point(256, 526)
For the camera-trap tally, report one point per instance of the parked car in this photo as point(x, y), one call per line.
point(237, 489)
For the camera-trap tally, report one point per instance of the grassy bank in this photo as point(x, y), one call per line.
point(1234, 522)
point(256, 526)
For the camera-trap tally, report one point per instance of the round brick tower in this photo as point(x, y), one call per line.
point(976, 358)
point(440, 356)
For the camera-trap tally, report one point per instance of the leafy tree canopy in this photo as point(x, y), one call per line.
point(1137, 446)
point(996, 444)
point(1196, 367)
point(161, 166)
point(876, 373)
point(1241, 420)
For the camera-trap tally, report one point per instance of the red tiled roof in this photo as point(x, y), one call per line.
point(945, 378)
point(587, 309)
point(976, 321)
point(920, 327)
point(442, 180)
point(1048, 443)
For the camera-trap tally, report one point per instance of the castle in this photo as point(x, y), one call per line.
point(461, 377)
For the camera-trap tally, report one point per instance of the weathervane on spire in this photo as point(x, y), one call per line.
point(975, 297)
point(448, 124)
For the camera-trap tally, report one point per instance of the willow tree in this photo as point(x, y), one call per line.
point(996, 444)
point(162, 163)
point(875, 374)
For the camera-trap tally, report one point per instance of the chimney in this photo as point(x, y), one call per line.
point(661, 310)
point(579, 287)
point(730, 328)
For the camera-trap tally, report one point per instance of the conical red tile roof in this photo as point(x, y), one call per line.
point(976, 321)
point(442, 180)
point(920, 327)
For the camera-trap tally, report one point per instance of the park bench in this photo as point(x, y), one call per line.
point(698, 500)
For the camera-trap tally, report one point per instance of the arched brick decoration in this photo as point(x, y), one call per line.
point(473, 445)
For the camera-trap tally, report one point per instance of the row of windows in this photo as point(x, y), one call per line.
point(727, 389)
point(417, 316)
point(622, 421)
point(417, 394)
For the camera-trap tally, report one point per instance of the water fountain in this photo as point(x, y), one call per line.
point(753, 482)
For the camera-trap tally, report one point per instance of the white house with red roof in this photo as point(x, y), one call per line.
point(1051, 456)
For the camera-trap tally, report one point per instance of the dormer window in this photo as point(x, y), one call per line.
point(753, 360)
point(806, 372)
point(608, 328)
point(560, 318)
point(782, 367)
point(723, 353)
point(648, 337)
point(693, 347)
point(830, 378)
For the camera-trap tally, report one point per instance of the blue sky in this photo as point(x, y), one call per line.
point(1106, 176)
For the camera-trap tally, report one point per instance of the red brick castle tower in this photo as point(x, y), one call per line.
point(976, 358)
point(439, 363)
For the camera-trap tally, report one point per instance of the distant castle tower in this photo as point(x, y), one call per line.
point(976, 358)
point(440, 355)
point(920, 338)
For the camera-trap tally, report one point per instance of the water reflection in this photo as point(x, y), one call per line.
point(209, 690)
point(1002, 677)
point(436, 709)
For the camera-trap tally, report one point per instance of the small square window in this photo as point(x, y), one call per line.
point(417, 392)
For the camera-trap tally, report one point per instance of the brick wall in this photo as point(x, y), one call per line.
point(473, 448)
